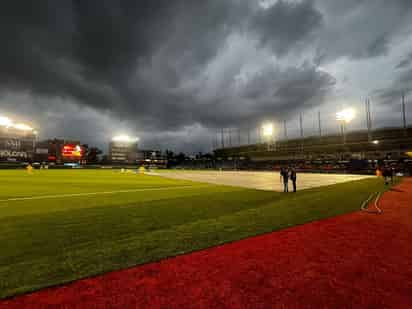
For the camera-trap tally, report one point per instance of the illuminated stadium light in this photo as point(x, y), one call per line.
point(125, 139)
point(5, 122)
point(8, 123)
point(267, 129)
point(346, 115)
point(22, 126)
point(376, 142)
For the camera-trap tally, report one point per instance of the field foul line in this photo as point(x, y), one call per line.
point(42, 197)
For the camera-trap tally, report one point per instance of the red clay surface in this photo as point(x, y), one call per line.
point(358, 260)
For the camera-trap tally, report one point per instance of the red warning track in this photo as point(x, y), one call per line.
point(358, 260)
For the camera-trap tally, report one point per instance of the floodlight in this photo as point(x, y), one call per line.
point(376, 142)
point(125, 138)
point(8, 123)
point(5, 122)
point(346, 115)
point(267, 129)
point(22, 126)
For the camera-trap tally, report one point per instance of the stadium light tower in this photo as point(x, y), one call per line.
point(344, 117)
point(267, 132)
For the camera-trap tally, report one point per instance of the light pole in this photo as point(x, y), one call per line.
point(344, 117)
point(267, 132)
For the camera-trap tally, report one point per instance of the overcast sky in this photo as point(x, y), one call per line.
point(176, 72)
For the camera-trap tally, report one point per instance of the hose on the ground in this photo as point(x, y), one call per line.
point(365, 204)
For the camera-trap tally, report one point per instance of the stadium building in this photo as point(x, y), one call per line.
point(17, 141)
point(123, 150)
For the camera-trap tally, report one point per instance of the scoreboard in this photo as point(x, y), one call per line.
point(73, 151)
point(60, 151)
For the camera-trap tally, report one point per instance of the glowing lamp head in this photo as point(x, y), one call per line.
point(22, 127)
point(267, 129)
point(8, 123)
point(5, 122)
point(125, 139)
point(375, 142)
point(346, 115)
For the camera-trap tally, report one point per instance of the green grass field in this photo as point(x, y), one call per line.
point(56, 239)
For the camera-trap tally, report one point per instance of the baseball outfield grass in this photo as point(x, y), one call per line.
point(59, 226)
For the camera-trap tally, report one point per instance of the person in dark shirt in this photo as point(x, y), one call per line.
point(292, 175)
point(392, 174)
point(386, 173)
point(284, 176)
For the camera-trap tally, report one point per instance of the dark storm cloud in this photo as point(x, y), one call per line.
point(286, 24)
point(282, 93)
point(167, 66)
point(361, 29)
point(80, 50)
point(89, 50)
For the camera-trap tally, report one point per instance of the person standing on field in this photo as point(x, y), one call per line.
point(284, 176)
point(386, 173)
point(392, 174)
point(293, 178)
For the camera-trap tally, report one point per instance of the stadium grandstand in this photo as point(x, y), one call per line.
point(356, 150)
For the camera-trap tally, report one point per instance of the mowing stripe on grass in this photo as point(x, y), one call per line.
point(42, 197)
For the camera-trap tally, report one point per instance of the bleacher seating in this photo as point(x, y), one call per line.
point(357, 143)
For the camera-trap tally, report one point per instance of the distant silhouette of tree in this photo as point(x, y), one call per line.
point(93, 155)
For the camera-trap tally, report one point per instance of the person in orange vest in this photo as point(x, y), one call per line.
point(378, 172)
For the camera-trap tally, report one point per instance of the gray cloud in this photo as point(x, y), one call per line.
point(286, 24)
point(361, 29)
point(401, 85)
point(378, 47)
point(405, 62)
